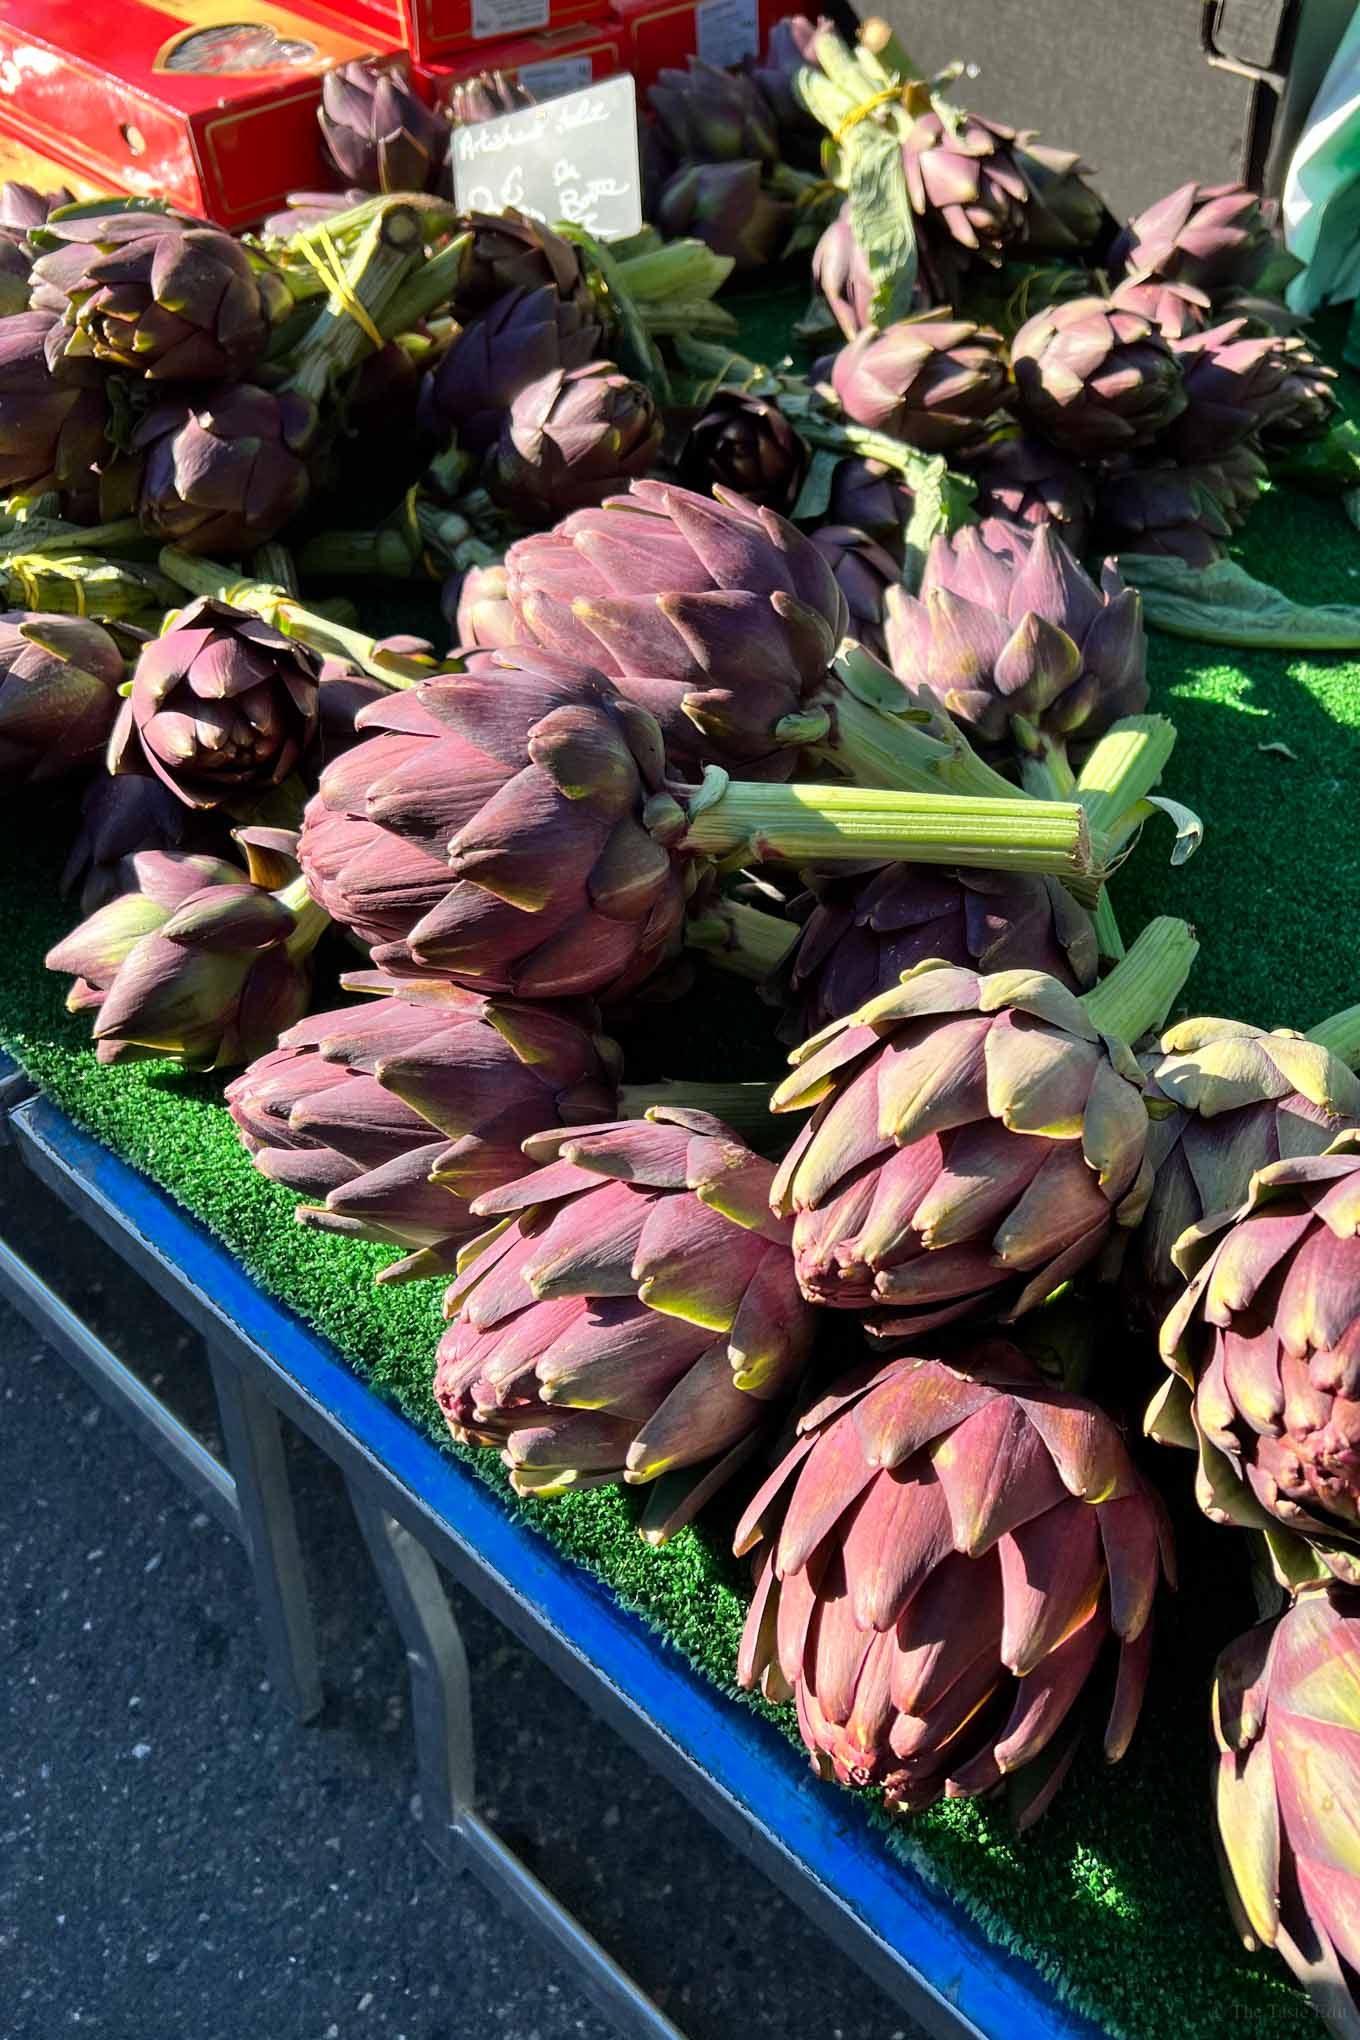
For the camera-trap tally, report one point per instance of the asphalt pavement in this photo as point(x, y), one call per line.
point(180, 1860)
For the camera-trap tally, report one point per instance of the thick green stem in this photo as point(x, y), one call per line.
point(744, 1107)
point(1139, 992)
point(80, 586)
point(741, 939)
point(428, 287)
point(1111, 942)
point(878, 748)
point(839, 824)
point(386, 554)
point(274, 564)
point(1340, 1034)
point(1121, 772)
point(340, 334)
point(70, 538)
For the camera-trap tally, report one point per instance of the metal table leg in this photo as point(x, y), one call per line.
point(441, 1709)
point(251, 1431)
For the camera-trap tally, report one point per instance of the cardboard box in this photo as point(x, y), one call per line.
point(434, 29)
point(661, 36)
point(208, 103)
point(559, 60)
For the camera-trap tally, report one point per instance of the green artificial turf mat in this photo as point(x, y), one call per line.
point(1114, 1897)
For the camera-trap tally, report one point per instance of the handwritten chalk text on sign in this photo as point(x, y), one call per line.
point(574, 158)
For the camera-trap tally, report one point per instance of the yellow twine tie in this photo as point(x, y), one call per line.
point(331, 270)
point(862, 112)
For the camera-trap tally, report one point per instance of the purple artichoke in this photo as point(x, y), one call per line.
point(510, 252)
point(52, 422)
point(788, 50)
point(717, 617)
point(1161, 508)
point(159, 296)
point(726, 206)
point(861, 930)
point(524, 337)
point(1023, 480)
point(570, 439)
point(1094, 379)
point(1214, 237)
point(491, 829)
point(224, 473)
point(1175, 309)
point(1284, 1721)
point(932, 381)
point(637, 1315)
point(59, 682)
point(1305, 405)
point(1232, 386)
point(841, 273)
point(864, 572)
point(1264, 1344)
point(707, 115)
point(975, 1142)
point(484, 618)
point(871, 497)
point(120, 817)
point(1018, 643)
point(378, 131)
point(745, 443)
point(21, 210)
point(1063, 215)
point(222, 708)
point(967, 188)
point(945, 1555)
point(190, 961)
point(486, 97)
point(1226, 1100)
point(391, 1116)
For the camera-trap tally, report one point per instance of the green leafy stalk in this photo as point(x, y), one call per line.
point(1141, 989)
point(1223, 604)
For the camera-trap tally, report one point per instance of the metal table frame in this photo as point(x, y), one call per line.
point(419, 1509)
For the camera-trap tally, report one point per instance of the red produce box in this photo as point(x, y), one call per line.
point(366, 19)
point(208, 103)
point(559, 60)
point(433, 29)
point(719, 31)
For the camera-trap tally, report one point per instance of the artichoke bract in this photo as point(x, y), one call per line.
point(1094, 379)
point(707, 115)
point(509, 251)
point(484, 617)
point(1017, 641)
point(1023, 480)
point(1226, 1100)
point(1175, 309)
point(485, 97)
point(863, 930)
point(1305, 405)
point(1063, 215)
point(841, 273)
point(966, 186)
point(745, 443)
point(191, 961)
point(727, 207)
point(378, 131)
point(1233, 384)
point(864, 572)
point(52, 421)
point(570, 439)
point(1214, 237)
point(633, 1313)
point(391, 1116)
point(976, 1139)
point(945, 1554)
point(59, 682)
point(222, 708)
point(1161, 508)
point(223, 473)
point(524, 337)
point(1284, 1793)
point(118, 818)
point(932, 381)
point(869, 496)
point(160, 296)
point(788, 49)
point(1264, 1344)
point(716, 616)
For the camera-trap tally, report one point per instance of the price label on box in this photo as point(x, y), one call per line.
point(727, 30)
point(507, 17)
point(558, 75)
point(575, 158)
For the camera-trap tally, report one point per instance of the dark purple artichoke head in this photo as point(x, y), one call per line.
point(120, 817)
point(59, 681)
point(160, 296)
point(509, 252)
point(570, 439)
point(841, 273)
point(745, 443)
point(864, 572)
point(1063, 215)
point(378, 131)
point(948, 1081)
point(718, 617)
point(966, 186)
point(22, 208)
point(1215, 237)
point(1175, 309)
point(708, 115)
point(788, 50)
point(1284, 1721)
point(638, 1314)
point(1024, 480)
point(945, 1554)
point(223, 473)
point(1305, 405)
point(523, 338)
point(52, 422)
point(389, 1117)
point(484, 619)
point(862, 929)
point(1232, 384)
point(491, 829)
point(1264, 1347)
point(726, 206)
point(871, 497)
point(1017, 641)
point(222, 708)
point(933, 381)
point(1093, 379)
point(486, 97)
point(1226, 1100)
point(1154, 506)
point(190, 961)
